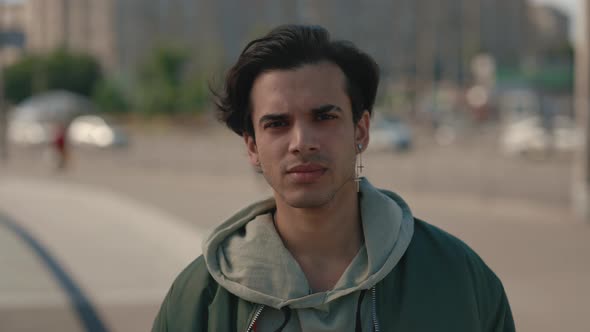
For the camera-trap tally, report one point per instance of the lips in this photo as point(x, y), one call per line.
point(306, 173)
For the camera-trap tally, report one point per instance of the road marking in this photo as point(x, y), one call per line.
point(87, 315)
point(122, 252)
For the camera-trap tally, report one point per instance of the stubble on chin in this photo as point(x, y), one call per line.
point(311, 198)
point(310, 201)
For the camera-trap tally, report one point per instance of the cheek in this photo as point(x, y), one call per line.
point(338, 139)
point(270, 154)
point(341, 147)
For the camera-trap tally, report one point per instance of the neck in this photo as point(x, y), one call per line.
point(325, 238)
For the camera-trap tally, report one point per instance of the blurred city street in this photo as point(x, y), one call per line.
point(112, 169)
point(122, 223)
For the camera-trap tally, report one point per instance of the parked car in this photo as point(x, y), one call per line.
point(390, 134)
point(93, 130)
point(530, 135)
point(35, 120)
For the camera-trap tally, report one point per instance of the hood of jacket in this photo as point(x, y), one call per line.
point(246, 256)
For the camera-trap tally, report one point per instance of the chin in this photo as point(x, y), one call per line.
point(307, 200)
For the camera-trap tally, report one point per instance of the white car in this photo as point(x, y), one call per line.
point(93, 130)
point(34, 121)
point(529, 136)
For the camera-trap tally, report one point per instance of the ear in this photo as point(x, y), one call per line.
point(252, 150)
point(361, 132)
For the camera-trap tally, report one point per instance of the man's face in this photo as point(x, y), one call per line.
point(306, 141)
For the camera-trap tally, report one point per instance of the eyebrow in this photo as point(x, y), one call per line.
point(271, 117)
point(282, 116)
point(326, 108)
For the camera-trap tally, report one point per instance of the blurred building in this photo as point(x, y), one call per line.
point(12, 34)
point(77, 24)
point(119, 32)
point(417, 38)
point(122, 32)
point(551, 27)
point(428, 37)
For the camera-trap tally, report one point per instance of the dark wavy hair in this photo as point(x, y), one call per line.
point(289, 47)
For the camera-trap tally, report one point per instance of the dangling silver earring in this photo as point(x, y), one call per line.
point(258, 167)
point(359, 167)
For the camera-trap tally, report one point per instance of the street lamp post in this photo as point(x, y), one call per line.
point(581, 174)
point(3, 110)
point(3, 122)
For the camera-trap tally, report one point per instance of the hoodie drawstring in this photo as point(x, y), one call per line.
point(359, 327)
point(287, 314)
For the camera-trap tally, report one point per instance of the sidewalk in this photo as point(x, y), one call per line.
point(122, 254)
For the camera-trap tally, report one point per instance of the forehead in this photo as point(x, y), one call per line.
point(302, 88)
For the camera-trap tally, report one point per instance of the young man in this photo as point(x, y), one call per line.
point(328, 252)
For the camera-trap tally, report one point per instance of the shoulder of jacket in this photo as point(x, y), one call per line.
point(194, 279)
point(445, 272)
point(427, 236)
point(461, 265)
point(436, 242)
point(458, 259)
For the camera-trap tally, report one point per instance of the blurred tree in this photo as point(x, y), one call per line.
point(194, 95)
point(59, 70)
point(167, 83)
point(110, 96)
point(73, 72)
point(18, 78)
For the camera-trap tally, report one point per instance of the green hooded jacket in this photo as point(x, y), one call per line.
point(408, 276)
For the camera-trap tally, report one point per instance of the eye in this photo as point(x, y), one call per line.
point(325, 116)
point(275, 124)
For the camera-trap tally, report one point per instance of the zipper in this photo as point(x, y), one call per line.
point(374, 302)
point(255, 318)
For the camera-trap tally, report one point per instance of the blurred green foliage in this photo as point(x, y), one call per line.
point(168, 83)
point(58, 70)
point(110, 96)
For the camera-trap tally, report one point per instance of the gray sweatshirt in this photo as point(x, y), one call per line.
point(246, 256)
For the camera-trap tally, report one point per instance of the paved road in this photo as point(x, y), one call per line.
point(514, 213)
point(75, 258)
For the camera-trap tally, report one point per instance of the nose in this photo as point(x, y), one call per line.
point(304, 139)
